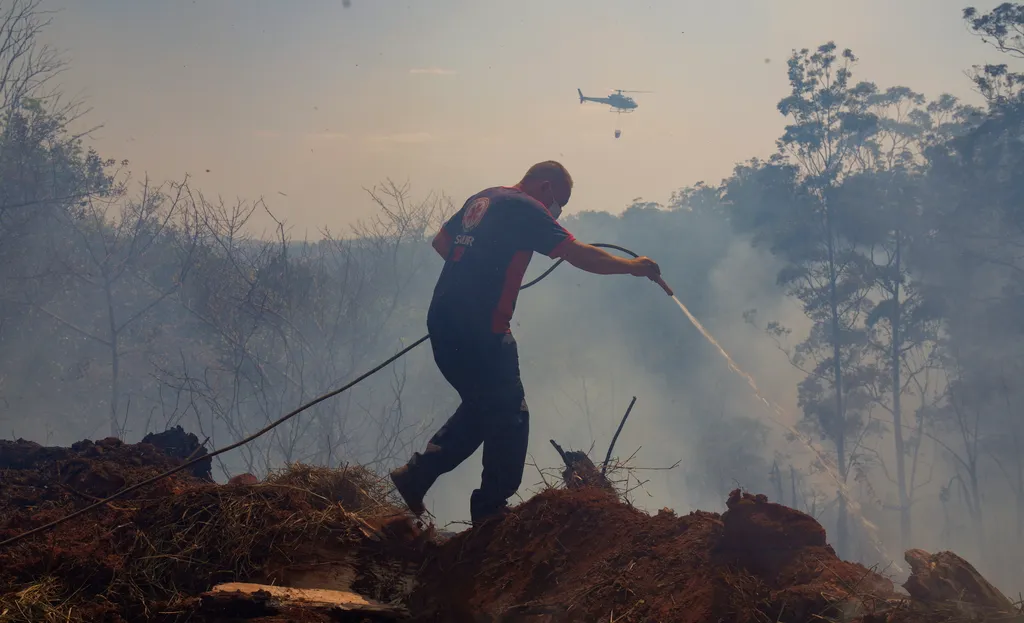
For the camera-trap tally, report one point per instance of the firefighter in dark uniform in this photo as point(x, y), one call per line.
point(487, 246)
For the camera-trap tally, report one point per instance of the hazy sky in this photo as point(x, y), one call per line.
point(316, 101)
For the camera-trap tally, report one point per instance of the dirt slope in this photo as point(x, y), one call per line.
point(564, 555)
point(584, 556)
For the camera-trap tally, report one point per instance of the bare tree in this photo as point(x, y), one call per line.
point(291, 320)
point(27, 66)
point(132, 254)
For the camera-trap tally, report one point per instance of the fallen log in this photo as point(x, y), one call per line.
point(245, 600)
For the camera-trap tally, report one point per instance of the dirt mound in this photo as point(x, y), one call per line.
point(36, 478)
point(584, 556)
point(176, 443)
point(312, 544)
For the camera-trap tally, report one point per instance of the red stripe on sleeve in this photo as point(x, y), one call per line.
point(443, 243)
point(502, 317)
point(560, 247)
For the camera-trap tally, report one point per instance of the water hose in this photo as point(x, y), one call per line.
point(278, 422)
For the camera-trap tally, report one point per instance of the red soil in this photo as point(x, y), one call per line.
point(584, 556)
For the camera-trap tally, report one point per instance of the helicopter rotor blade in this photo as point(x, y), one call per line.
point(625, 91)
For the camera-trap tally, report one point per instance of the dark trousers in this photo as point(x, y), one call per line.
point(484, 368)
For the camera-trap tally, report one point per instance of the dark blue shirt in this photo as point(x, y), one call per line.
point(488, 245)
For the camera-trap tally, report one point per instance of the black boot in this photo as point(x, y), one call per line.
point(498, 515)
point(483, 511)
point(411, 494)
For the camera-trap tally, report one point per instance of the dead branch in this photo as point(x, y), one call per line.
point(615, 437)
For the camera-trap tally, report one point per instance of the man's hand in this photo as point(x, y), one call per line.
point(646, 267)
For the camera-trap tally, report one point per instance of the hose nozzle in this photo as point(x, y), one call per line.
point(664, 286)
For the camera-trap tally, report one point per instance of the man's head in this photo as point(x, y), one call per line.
point(549, 183)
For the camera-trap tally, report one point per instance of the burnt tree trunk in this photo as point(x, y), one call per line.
point(581, 472)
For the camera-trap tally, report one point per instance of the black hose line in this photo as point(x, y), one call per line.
point(265, 429)
point(556, 264)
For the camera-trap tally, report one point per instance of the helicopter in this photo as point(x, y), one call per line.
point(619, 103)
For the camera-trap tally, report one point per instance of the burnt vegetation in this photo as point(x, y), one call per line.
point(891, 220)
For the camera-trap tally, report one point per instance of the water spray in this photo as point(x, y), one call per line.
point(778, 412)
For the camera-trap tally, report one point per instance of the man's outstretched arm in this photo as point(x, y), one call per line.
point(598, 261)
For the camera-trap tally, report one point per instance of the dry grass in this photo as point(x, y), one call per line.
point(38, 603)
point(357, 489)
point(206, 536)
point(219, 533)
point(172, 548)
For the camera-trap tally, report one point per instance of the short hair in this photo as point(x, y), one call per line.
point(549, 171)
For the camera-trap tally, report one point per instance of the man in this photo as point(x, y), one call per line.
point(487, 247)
